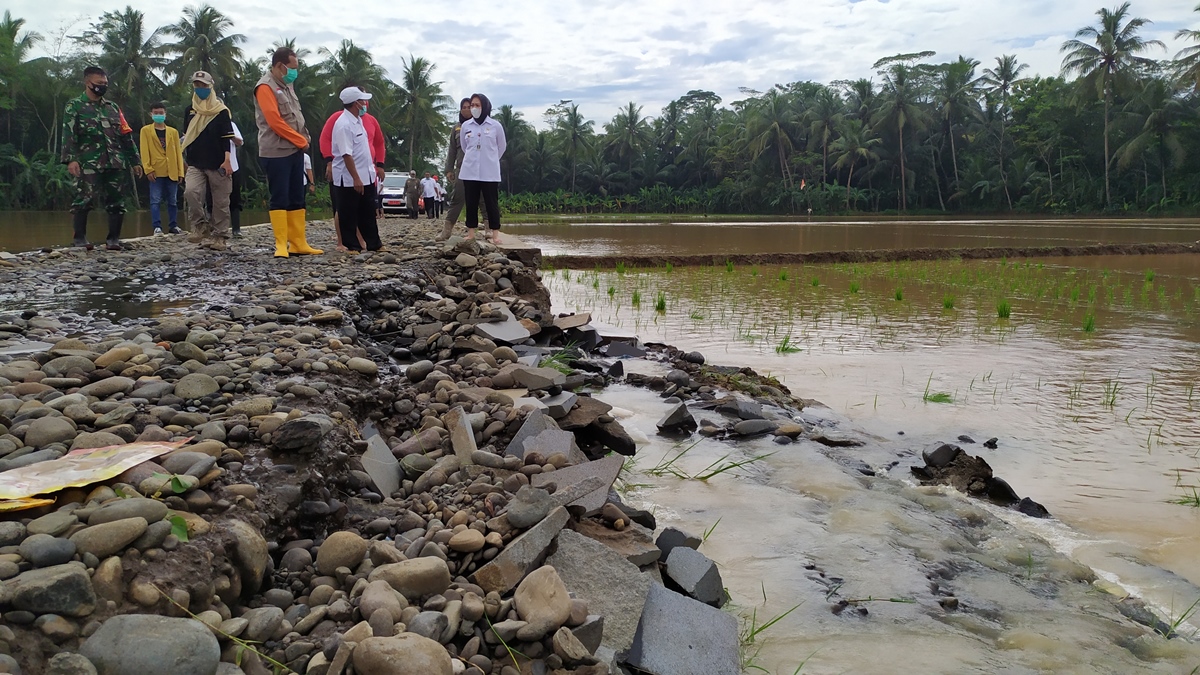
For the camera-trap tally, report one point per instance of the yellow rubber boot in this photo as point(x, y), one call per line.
point(296, 225)
point(279, 225)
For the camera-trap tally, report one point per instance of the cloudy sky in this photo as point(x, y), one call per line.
point(603, 54)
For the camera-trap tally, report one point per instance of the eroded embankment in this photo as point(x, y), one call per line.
point(867, 256)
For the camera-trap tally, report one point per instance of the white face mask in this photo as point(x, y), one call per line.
point(476, 112)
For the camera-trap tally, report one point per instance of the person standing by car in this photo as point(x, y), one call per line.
point(483, 144)
point(282, 140)
point(412, 193)
point(378, 153)
point(429, 194)
point(206, 143)
point(97, 147)
point(354, 177)
point(453, 165)
point(162, 165)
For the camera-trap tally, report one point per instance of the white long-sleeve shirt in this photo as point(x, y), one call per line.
point(350, 138)
point(482, 145)
point(429, 188)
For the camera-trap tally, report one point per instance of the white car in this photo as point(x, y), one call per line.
point(391, 193)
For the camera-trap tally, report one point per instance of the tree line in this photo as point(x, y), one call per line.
point(1115, 131)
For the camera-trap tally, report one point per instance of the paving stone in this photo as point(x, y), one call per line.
point(680, 636)
point(605, 469)
point(696, 575)
point(612, 586)
point(521, 555)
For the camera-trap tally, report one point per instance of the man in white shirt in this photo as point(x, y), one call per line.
point(354, 174)
point(429, 192)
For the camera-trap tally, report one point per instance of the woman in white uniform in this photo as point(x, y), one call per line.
point(483, 144)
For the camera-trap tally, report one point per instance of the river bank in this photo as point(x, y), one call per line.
point(305, 384)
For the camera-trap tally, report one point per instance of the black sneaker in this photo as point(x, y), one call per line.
point(237, 234)
point(176, 230)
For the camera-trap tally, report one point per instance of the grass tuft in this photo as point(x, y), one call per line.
point(1150, 276)
point(948, 301)
point(899, 294)
point(637, 298)
point(1089, 323)
point(1003, 309)
point(935, 397)
point(660, 303)
point(786, 346)
point(816, 282)
point(855, 286)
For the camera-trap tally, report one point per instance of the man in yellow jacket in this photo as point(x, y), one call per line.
point(162, 163)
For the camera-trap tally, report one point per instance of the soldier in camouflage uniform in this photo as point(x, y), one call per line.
point(98, 149)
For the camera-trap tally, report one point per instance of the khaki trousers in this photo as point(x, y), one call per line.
point(200, 182)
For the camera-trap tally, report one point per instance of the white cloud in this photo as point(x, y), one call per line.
point(604, 54)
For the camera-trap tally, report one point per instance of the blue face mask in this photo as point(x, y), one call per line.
point(362, 111)
point(291, 76)
point(159, 119)
point(203, 92)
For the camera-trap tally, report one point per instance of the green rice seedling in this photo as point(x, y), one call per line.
point(670, 267)
point(729, 266)
point(557, 361)
point(816, 282)
point(783, 275)
point(938, 397)
point(1003, 309)
point(621, 268)
point(1075, 294)
point(1192, 500)
point(637, 298)
point(948, 301)
point(666, 465)
point(749, 636)
point(696, 315)
point(596, 283)
point(721, 466)
point(786, 346)
point(660, 303)
point(754, 270)
point(899, 294)
point(1111, 389)
point(1089, 323)
point(1149, 276)
point(854, 287)
point(612, 290)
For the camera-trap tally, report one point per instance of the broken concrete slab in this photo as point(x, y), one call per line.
point(746, 410)
point(509, 331)
point(696, 575)
point(529, 403)
point(612, 586)
point(586, 411)
point(560, 404)
point(382, 466)
point(538, 378)
point(680, 636)
point(462, 437)
point(522, 555)
point(609, 434)
point(535, 423)
point(635, 543)
point(605, 469)
point(623, 350)
point(573, 321)
point(554, 441)
point(672, 537)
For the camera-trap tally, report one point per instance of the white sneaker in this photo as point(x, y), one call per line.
point(158, 231)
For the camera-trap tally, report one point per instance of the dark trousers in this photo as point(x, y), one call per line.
point(285, 180)
point(356, 213)
point(490, 192)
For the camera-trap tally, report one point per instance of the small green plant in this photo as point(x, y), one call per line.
point(621, 269)
point(1149, 276)
point(786, 346)
point(708, 532)
point(899, 294)
point(612, 290)
point(1170, 630)
point(596, 283)
point(1089, 323)
point(696, 315)
point(1192, 500)
point(557, 361)
point(935, 397)
point(1003, 309)
point(854, 286)
point(660, 303)
point(948, 301)
point(670, 267)
point(179, 528)
point(816, 282)
point(754, 270)
point(783, 275)
point(1111, 389)
point(728, 265)
point(637, 298)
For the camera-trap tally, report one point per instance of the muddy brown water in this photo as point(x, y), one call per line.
point(1089, 385)
point(28, 230)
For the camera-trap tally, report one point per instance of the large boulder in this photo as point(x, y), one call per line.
point(405, 654)
point(415, 578)
point(146, 643)
point(61, 589)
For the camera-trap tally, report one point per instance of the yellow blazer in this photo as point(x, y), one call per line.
point(164, 163)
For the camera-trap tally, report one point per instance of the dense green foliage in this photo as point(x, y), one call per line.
point(1117, 131)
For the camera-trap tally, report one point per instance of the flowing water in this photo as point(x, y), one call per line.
point(1089, 385)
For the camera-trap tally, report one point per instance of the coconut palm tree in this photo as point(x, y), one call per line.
point(1163, 116)
point(1105, 57)
point(771, 126)
point(1188, 58)
point(854, 143)
point(998, 83)
point(518, 133)
point(628, 134)
point(574, 135)
point(955, 95)
point(901, 110)
point(204, 43)
point(349, 65)
point(423, 109)
point(823, 118)
point(132, 58)
point(15, 45)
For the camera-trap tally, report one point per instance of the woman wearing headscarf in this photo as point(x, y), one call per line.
point(205, 144)
point(483, 144)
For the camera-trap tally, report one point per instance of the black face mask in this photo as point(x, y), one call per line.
point(99, 89)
